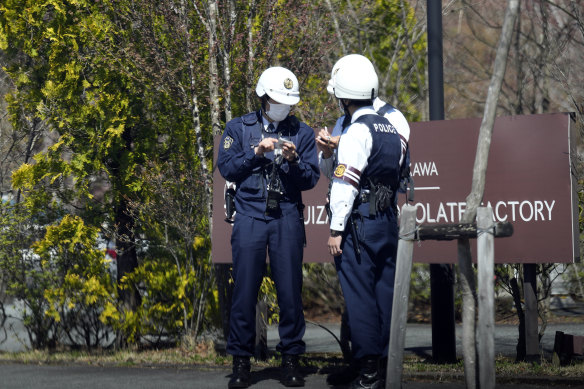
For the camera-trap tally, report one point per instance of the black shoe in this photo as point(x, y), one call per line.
point(368, 374)
point(241, 377)
point(291, 371)
point(343, 377)
point(381, 372)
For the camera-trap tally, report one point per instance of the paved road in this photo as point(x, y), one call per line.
point(318, 340)
point(21, 376)
point(17, 376)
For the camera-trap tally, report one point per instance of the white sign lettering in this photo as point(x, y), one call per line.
point(424, 169)
point(510, 211)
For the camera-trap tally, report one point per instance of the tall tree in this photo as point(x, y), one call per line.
point(545, 68)
point(545, 58)
point(132, 88)
point(475, 197)
point(98, 101)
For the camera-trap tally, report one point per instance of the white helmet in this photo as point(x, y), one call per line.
point(346, 59)
point(280, 84)
point(355, 79)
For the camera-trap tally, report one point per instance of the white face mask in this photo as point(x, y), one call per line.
point(278, 112)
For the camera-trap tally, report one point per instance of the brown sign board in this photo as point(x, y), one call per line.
point(529, 183)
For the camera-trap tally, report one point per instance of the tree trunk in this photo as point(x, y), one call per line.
point(516, 293)
point(475, 197)
point(228, 32)
point(225, 291)
point(337, 28)
point(127, 261)
point(194, 104)
point(214, 97)
point(250, 56)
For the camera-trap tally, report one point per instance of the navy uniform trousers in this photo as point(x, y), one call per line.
point(367, 283)
point(283, 238)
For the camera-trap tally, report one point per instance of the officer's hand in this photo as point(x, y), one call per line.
point(334, 245)
point(289, 151)
point(266, 145)
point(326, 143)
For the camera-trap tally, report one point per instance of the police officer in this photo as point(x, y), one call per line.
point(363, 231)
point(271, 157)
point(328, 143)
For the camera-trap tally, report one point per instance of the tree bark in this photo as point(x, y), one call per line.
point(228, 32)
point(475, 197)
point(337, 28)
point(127, 260)
point(250, 55)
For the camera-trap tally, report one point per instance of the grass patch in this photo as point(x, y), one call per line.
point(504, 367)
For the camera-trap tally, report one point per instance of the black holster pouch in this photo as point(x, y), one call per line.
point(229, 205)
point(300, 207)
point(381, 197)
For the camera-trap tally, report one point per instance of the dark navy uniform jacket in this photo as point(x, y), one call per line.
point(369, 147)
point(238, 163)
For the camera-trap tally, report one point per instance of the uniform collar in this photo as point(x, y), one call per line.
point(362, 111)
point(266, 122)
point(378, 103)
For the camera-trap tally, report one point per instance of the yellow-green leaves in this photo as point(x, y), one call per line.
point(84, 286)
point(23, 177)
point(168, 302)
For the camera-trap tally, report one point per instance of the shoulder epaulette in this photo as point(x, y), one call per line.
point(250, 118)
point(385, 109)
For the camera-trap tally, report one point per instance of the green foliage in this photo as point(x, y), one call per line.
point(123, 88)
point(166, 301)
point(83, 300)
point(59, 276)
point(268, 295)
point(321, 290)
point(420, 284)
point(23, 274)
point(393, 24)
point(175, 243)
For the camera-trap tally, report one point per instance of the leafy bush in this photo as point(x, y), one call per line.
point(83, 298)
point(166, 308)
point(23, 275)
point(60, 277)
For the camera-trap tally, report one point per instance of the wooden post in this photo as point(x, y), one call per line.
point(486, 331)
point(530, 295)
point(408, 233)
point(401, 293)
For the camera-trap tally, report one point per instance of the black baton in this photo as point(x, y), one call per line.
point(301, 212)
point(353, 226)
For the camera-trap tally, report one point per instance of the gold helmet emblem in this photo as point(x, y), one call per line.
point(288, 83)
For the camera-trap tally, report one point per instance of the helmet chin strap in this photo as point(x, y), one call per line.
point(264, 102)
point(345, 109)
